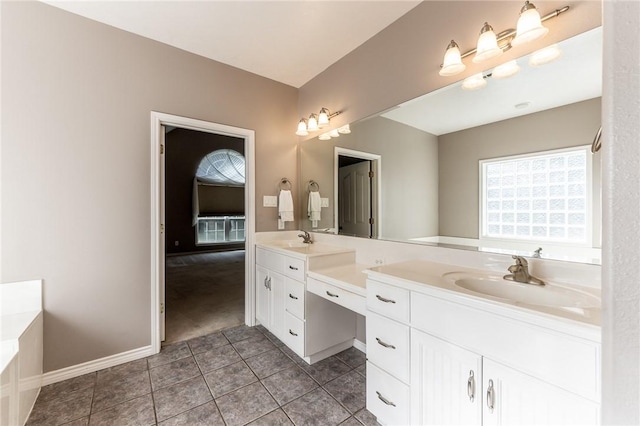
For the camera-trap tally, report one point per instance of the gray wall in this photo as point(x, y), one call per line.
point(409, 172)
point(460, 152)
point(76, 102)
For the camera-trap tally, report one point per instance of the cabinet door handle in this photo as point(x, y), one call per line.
point(385, 300)
point(293, 268)
point(385, 400)
point(386, 345)
point(265, 282)
point(471, 386)
point(292, 333)
point(331, 294)
point(491, 402)
point(269, 287)
point(292, 296)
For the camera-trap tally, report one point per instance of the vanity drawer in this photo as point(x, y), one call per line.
point(294, 298)
point(387, 397)
point(294, 333)
point(294, 268)
point(390, 301)
point(388, 345)
point(349, 300)
point(270, 260)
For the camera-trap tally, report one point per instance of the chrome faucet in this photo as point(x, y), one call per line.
point(306, 238)
point(520, 272)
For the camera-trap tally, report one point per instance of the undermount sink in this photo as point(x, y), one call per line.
point(305, 248)
point(550, 295)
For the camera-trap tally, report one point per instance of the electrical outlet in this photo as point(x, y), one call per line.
point(379, 261)
point(324, 202)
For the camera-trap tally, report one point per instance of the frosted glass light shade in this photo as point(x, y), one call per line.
point(545, 56)
point(334, 133)
point(324, 137)
point(487, 45)
point(529, 25)
point(302, 128)
point(323, 118)
point(344, 130)
point(505, 70)
point(475, 82)
point(312, 123)
point(452, 63)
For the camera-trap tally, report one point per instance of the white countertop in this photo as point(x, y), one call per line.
point(11, 328)
point(349, 277)
point(302, 251)
point(432, 278)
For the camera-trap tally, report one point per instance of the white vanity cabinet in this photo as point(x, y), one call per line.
point(475, 362)
point(311, 326)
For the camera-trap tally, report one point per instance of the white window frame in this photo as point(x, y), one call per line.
point(589, 199)
point(227, 230)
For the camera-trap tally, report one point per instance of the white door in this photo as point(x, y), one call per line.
point(354, 202)
point(446, 386)
point(514, 398)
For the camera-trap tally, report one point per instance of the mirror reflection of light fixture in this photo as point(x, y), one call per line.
point(529, 25)
point(452, 63)
point(302, 128)
point(505, 70)
point(334, 133)
point(324, 137)
point(474, 82)
point(344, 130)
point(545, 56)
point(529, 28)
point(315, 122)
point(487, 44)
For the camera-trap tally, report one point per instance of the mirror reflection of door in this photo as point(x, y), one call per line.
point(355, 210)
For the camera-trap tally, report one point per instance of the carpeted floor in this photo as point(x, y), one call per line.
point(204, 294)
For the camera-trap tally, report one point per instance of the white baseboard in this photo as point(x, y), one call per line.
point(361, 346)
point(95, 365)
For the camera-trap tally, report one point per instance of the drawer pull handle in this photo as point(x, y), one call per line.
point(386, 345)
point(471, 386)
point(292, 296)
point(385, 400)
point(491, 396)
point(293, 268)
point(292, 333)
point(385, 300)
point(331, 294)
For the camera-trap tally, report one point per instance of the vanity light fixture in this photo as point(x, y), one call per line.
point(315, 122)
point(545, 56)
point(344, 130)
point(506, 70)
point(490, 45)
point(324, 137)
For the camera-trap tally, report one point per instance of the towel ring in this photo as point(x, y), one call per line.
point(596, 145)
point(312, 184)
point(284, 184)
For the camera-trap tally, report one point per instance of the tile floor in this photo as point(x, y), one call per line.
point(239, 376)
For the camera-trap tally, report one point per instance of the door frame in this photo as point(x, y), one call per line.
point(376, 199)
point(158, 121)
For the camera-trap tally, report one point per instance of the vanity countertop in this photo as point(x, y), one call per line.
point(439, 280)
point(300, 250)
point(349, 277)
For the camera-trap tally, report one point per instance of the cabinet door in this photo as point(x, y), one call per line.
point(263, 296)
point(514, 398)
point(446, 383)
point(278, 289)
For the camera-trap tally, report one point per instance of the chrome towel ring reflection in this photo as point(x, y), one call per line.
point(313, 186)
point(284, 184)
point(596, 145)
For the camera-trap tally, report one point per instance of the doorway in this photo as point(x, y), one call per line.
point(159, 124)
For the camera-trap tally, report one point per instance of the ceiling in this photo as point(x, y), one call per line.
point(287, 41)
point(575, 77)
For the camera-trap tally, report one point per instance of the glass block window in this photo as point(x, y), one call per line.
point(220, 229)
point(544, 196)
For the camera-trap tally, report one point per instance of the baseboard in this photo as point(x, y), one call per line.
point(95, 365)
point(361, 346)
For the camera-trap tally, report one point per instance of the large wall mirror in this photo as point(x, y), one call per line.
point(504, 168)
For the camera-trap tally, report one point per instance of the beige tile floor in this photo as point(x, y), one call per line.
point(204, 294)
point(240, 376)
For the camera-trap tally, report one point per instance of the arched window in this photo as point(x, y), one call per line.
point(224, 167)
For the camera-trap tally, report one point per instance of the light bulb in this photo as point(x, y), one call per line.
point(452, 63)
point(505, 70)
point(302, 128)
point(487, 45)
point(545, 56)
point(529, 25)
point(474, 82)
point(312, 123)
